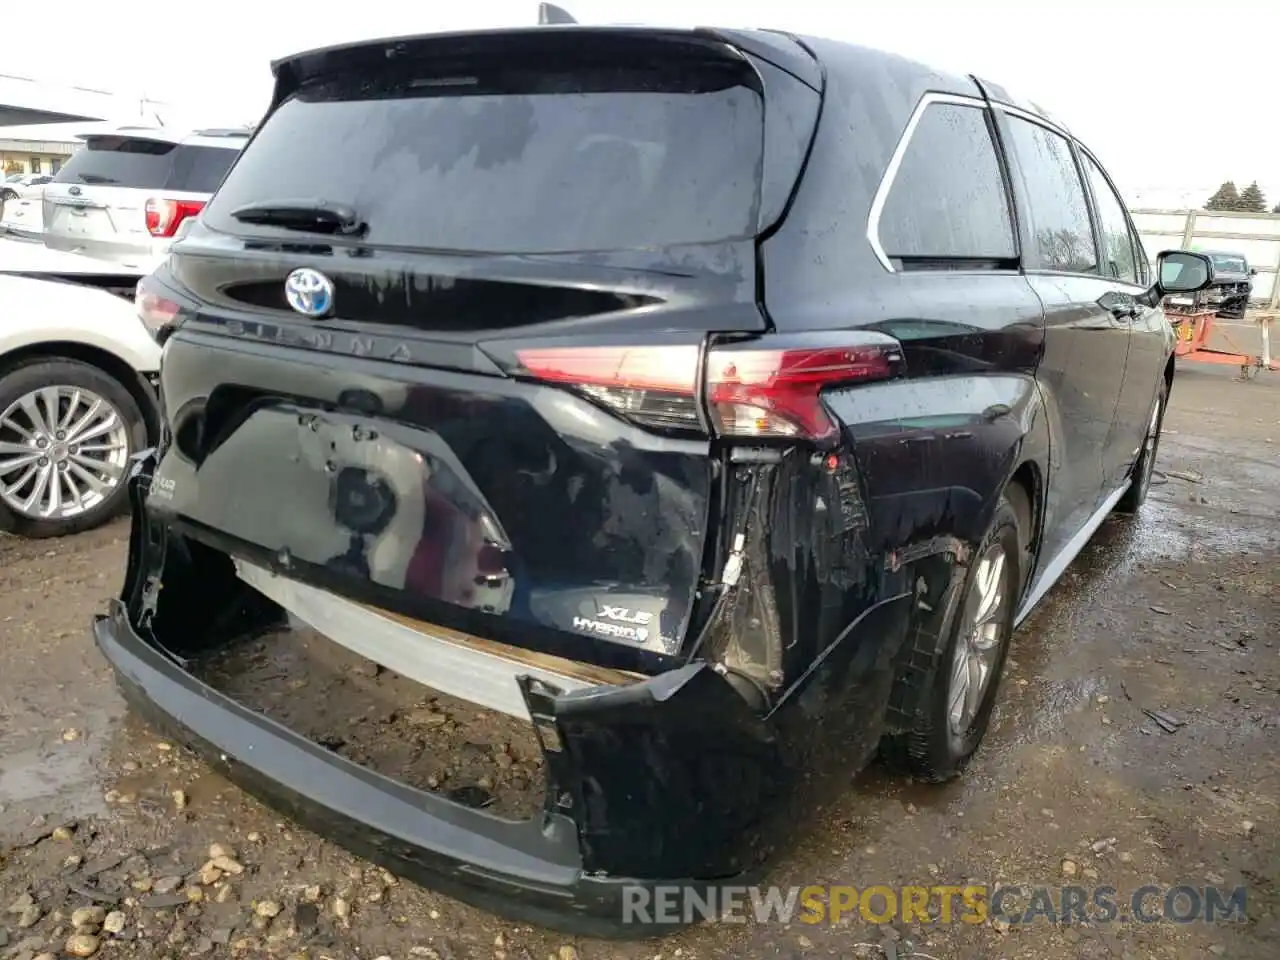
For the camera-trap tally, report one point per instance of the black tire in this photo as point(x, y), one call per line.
point(18, 381)
point(928, 749)
point(1140, 478)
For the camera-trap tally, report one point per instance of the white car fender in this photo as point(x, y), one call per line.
point(35, 312)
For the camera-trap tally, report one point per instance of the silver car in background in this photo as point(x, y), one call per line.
point(22, 185)
point(123, 196)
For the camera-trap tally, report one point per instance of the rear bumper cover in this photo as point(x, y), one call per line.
point(673, 781)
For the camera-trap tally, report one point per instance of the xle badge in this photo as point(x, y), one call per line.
point(617, 623)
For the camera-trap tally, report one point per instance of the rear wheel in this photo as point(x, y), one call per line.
point(1140, 479)
point(957, 693)
point(67, 431)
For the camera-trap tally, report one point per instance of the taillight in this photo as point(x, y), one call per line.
point(763, 389)
point(156, 311)
point(164, 216)
point(654, 386)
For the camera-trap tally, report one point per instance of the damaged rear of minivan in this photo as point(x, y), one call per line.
point(468, 367)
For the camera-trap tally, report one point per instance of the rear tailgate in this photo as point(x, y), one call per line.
point(77, 216)
point(495, 426)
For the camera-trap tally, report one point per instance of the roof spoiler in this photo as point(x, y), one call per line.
point(549, 13)
point(113, 130)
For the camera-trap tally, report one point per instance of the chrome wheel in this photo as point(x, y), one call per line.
point(977, 648)
point(63, 451)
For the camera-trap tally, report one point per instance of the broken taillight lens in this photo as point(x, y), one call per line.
point(763, 389)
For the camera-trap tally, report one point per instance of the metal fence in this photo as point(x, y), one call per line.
point(1255, 235)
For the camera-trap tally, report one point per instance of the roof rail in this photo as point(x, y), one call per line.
point(549, 13)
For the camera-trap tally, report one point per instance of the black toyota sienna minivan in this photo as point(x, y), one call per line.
point(714, 402)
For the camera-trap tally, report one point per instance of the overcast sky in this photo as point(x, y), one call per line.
point(1171, 94)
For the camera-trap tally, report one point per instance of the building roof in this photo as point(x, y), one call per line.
point(69, 133)
point(29, 99)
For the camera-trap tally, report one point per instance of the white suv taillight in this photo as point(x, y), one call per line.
point(164, 216)
point(761, 389)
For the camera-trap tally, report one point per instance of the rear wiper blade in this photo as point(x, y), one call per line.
point(313, 216)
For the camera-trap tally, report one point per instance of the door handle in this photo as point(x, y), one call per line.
point(1122, 306)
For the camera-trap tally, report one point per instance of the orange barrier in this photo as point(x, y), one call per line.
point(1193, 329)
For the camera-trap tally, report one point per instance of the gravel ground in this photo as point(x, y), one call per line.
point(116, 844)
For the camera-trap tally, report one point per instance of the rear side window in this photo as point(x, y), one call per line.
point(147, 164)
point(199, 169)
point(517, 161)
point(948, 200)
point(1061, 232)
point(1120, 260)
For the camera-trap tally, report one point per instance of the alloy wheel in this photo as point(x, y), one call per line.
point(977, 648)
point(1149, 450)
point(63, 451)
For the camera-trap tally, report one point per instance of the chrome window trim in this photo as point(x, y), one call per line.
point(1077, 152)
point(1139, 253)
point(895, 162)
point(1036, 118)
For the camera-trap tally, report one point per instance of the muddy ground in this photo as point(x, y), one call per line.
point(1178, 611)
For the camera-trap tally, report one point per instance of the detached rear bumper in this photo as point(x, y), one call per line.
point(430, 840)
point(672, 781)
point(677, 780)
point(528, 870)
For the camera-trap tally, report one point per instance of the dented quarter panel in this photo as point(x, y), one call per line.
point(936, 452)
point(923, 458)
point(845, 542)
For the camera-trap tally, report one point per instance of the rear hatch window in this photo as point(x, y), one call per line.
point(147, 164)
point(500, 158)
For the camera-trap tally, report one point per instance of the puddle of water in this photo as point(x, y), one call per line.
point(1165, 531)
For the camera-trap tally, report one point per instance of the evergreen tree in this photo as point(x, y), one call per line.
point(1226, 197)
point(1252, 200)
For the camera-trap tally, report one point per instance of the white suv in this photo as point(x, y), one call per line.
point(22, 185)
point(124, 195)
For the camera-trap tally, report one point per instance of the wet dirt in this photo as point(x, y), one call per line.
point(1176, 612)
point(395, 726)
